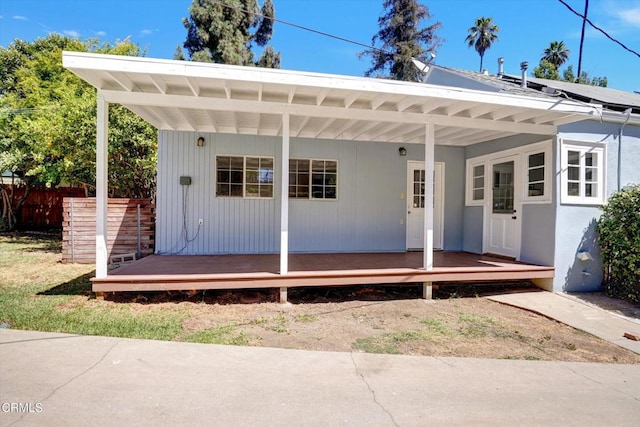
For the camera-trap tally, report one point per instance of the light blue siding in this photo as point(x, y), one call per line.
point(538, 234)
point(473, 229)
point(369, 214)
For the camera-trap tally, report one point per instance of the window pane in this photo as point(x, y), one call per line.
point(573, 173)
point(478, 194)
point(591, 159)
point(252, 190)
point(266, 176)
point(330, 193)
point(416, 175)
point(222, 190)
point(316, 192)
point(223, 162)
point(478, 182)
point(536, 189)
point(536, 160)
point(266, 191)
point(303, 165)
point(252, 176)
point(331, 167)
point(478, 170)
point(253, 163)
point(303, 179)
point(573, 157)
point(536, 175)
point(590, 174)
point(237, 163)
point(236, 177)
point(223, 176)
point(318, 166)
point(317, 179)
point(591, 190)
point(293, 178)
point(573, 188)
point(236, 190)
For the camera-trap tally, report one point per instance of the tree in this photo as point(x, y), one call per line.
point(557, 54)
point(584, 78)
point(482, 35)
point(48, 118)
point(226, 32)
point(546, 70)
point(401, 37)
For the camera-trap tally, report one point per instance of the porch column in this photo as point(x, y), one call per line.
point(284, 197)
point(102, 150)
point(429, 159)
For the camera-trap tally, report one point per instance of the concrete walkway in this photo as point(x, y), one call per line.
point(594, 313)
point(67, 380)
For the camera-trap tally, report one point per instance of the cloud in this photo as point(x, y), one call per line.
point(101, 33)
point(148, 32)
point(20, 18)
point(71, 33)
point(629, 16)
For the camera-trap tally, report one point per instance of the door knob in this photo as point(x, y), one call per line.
point(514, 217)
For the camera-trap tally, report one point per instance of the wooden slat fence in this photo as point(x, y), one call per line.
point(130, 228)
point(43, 207)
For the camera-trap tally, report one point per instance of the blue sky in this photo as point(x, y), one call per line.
point(526, 28)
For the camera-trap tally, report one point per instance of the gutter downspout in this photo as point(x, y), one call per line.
point(627, 112)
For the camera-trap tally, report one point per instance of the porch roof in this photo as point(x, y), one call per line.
point(203, 97)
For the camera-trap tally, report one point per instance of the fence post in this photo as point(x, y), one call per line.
point(72, 237)
point(139, 250)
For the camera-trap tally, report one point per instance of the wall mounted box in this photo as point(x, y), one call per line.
point(185, 180)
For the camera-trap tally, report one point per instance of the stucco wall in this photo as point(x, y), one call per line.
point(575, 229)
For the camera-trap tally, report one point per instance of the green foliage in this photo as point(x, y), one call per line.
point(619, 238)
point(546, 70)
point(556, 54)
point(226, 33)
point(48, 117)
point(482, 35)
point(401, 37)
point(569, 76)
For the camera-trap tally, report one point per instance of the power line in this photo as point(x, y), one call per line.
point(600, 29)
point(322, 33)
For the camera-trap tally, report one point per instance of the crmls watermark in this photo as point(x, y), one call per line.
point(21, 407)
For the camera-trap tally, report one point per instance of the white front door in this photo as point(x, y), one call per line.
point(502, 231)
point(415, 205)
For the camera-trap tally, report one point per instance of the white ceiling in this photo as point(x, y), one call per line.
point(190, 96)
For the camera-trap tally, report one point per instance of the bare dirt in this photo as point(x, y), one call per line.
point(458, 322)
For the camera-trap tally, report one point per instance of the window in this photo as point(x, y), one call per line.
point(583, 173)
point(478, 183)
point(313, 179)
point(535, 174)
point(238, 176)
point(299, 178)
point(475, 188)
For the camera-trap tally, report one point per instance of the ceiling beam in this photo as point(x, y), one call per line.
point(252, 106)
point(327, 124)
point(193, 86)
point(187, 118)
point(161, 86)
point(123, 81)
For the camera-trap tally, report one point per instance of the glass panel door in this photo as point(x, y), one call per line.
point(502, 201)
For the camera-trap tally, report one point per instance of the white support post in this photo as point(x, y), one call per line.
point(429, 161)
point(284, 197)
point(102, 152)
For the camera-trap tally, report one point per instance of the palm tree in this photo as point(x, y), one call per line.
point(482, 35)
point(556, 54)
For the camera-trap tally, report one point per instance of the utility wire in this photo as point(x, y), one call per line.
point(291, 24)
point(600, 29)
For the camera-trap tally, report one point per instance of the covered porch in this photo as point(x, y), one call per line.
point(199, 272)
point(190, 100)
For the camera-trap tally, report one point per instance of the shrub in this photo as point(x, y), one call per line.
point(619, 237)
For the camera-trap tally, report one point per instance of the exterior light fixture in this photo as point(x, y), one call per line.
point(402, 151)
point(200, 142)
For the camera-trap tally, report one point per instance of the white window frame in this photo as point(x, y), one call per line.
point(244, 177)
point(471, 165)
point(583, 147)
point(523, 153)
point(548, 175)
point(310, 197)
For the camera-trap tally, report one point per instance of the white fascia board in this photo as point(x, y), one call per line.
point(250, 106)
point(100, 62)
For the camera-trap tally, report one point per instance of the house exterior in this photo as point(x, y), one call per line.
point(590, 158)
point(257, 161)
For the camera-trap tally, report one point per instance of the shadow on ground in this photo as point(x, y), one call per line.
point(323, 294)
point(81, 285)
point(599, 299)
